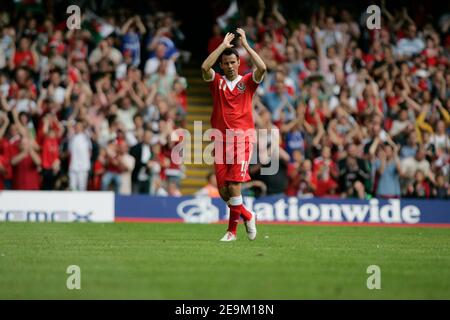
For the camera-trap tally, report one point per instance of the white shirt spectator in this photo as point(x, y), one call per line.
point(398, 126)
point(409, 47)
point(411, 165)
point(126, 117)
point(440, 141)
point(4, 89)
point(334, 102)
point(131, 138)
point(125, 176)
point(330, 38)
point(121, 71)
point(80, 152)
point(114, 55)
point(58, 95)
point(24, 105)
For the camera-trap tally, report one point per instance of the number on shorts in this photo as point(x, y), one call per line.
point(244, 165)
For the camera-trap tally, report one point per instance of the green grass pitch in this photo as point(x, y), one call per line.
point(186, 261)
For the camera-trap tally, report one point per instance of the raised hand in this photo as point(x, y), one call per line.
point(241, 32)
point(227, 40)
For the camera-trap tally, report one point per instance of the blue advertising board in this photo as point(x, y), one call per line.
point(281, 209)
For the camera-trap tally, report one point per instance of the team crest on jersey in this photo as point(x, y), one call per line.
point(241, 86)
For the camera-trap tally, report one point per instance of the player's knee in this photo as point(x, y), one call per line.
point(234, 189)
point(224, 194)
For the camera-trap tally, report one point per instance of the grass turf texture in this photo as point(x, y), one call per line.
point(186, 261)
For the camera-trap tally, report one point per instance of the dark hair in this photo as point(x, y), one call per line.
point(229, 52)
point(56, 70)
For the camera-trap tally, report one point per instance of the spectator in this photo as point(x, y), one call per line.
point(55, 90)
point(25, 55)
point(412, 164)
point(421, 187)
point(278, 101)
point(113, 167)
point(442, 190)
point(128, 163)
point(142, 153)
point(51, 162)
point(401, 127)
point(162, 80)
point(389, 171)
point(26, 164)
point(353, 174)
point(104, 52)
point(410, 148)
point(306, 187)
point(131, 38)
point(325, 174)
point(98, 170)
point(293, 174)
point(330, 35)
point(80, 147)
point(152, 64)
point(440, 138)
point(411, 44)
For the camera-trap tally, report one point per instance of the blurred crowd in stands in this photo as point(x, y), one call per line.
point(362, 113)
point(90, 108)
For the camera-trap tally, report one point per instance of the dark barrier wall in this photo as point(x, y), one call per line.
point(285, 209)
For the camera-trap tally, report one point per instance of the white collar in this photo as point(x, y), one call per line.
point(232, 84)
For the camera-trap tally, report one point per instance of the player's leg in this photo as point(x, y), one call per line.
point(221, 171)
point(236, 205)
point(225, 195)
point(238, 173)
point(235, 213)
point(223, 191)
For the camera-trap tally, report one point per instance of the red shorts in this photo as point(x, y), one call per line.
point(231, 163)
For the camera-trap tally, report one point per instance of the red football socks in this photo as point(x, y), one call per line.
point(237, 210)
point(246, 215)
point(235, 213)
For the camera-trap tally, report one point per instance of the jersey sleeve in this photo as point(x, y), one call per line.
point(213, 86)
point(251, 83)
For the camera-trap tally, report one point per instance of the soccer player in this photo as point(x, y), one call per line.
point(232, 115)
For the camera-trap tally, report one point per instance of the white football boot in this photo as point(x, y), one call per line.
point(229, 236)
point(250, 227)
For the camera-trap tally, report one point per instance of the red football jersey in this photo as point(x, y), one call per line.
point(232, 105)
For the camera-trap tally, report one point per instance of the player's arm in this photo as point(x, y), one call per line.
point(207, 71)
point(256, 59)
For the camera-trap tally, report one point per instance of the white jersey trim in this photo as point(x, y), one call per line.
point(232, 84)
